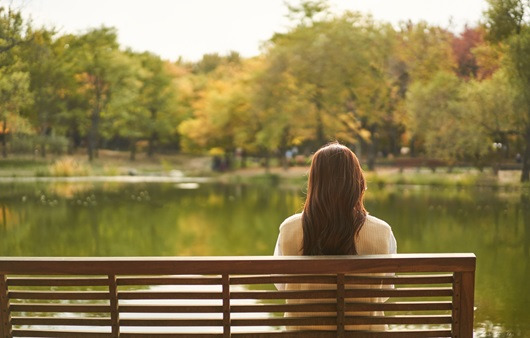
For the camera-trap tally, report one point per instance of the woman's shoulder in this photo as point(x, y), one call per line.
point(292, 221)
point(374, 222)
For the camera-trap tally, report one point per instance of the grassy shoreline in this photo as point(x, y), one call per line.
point(118, 164)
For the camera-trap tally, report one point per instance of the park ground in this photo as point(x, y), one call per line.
point(115, 163)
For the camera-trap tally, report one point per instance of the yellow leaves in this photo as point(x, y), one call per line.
point(17, 124)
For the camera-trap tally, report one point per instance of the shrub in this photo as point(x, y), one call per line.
point(68, 167)
point(22, 144)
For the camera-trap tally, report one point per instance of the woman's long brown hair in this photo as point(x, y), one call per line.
point(334, 211)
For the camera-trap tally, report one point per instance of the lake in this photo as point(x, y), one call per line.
point(152, 219)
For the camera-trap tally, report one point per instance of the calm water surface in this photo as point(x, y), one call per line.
point(151, 219)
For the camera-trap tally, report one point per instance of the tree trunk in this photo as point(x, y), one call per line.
point(43, 134)
point(132, 155)
point(153, 137)
point(4, 138)
point(93, 133)
point(320, 137)
point(525, 173)
point(372, 150)
point(42, 117)
point(151, 145)
point(243, 159)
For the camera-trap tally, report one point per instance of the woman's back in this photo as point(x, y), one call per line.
point(375, 237)
point(334, 221)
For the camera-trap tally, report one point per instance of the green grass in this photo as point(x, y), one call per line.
point(458, 179)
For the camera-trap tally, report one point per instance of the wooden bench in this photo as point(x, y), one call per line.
point(235, 296)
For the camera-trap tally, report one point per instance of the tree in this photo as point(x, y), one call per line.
point(48, 81)
point(158, 97)
point(345, 65)
point(14, 81)
point(11, 33)
point(280, 105)
point(439, 118)
point(125, 114)
point(508, 22)
point(102, 75)
point(14, 93)
point(492, 109)
point(221, 109)
point(463, 45)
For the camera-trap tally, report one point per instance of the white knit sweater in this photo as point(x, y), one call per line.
point(375, 237)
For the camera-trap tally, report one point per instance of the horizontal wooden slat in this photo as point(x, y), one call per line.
point(279, 334)
point(171, 322)
point(348, 320)
point(356, 334)
point(400, 306)
point(404, 292)
point(239, 265)
point(312, 279)
point(403, 334)
point(416, 319)
point(19, 281)
point(303, 334)
point(57, 333)
point(332, 307)
point(168, 281)
point(169, 295)
point(299, 279)
point(171, 309)
point(287, 321)
point(310, 294)
point(349, 293)
point(60, 321)
point(330, 279)
point(401, 279)
point(290, 334)
point(172, 335)
point(63, 308)
point(80, 295)
point(309, 307)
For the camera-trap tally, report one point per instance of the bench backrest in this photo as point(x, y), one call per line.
point(235, 296)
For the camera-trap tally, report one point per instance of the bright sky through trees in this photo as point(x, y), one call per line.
point(191, 28)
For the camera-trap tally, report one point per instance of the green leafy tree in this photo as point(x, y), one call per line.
point(345, 65)
point(124, 114)
point(14, 94)
point(104, 79)
point(439, 118)
point(14, 81)
point(93, 54)
point(48, 81)
point(493, 109)
point(158, 97)
point(508, 22)
point(280, 105)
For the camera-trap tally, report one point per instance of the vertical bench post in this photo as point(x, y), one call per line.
point(114, 310)
point(226, 305)
point(463, 300)
point(467, 299)
point(456, 309)
point(5, 322)
point(340, 305)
